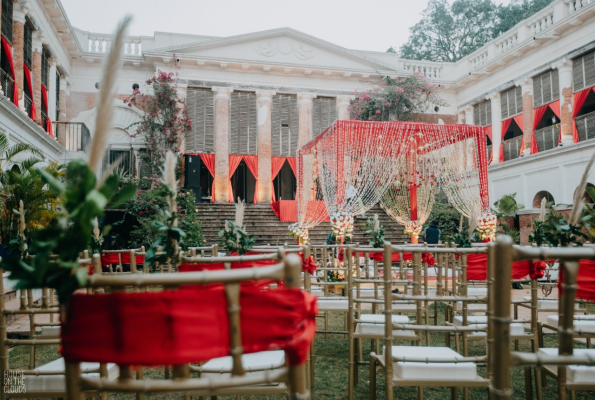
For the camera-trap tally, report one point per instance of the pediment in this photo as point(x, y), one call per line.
point(283, 46)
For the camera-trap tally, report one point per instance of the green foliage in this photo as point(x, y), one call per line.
point(460, 238)
point(376, 236)
point(538, 236)
point(82, 202)
point(235, 239)
point(506, 206)
point(450, 32)
point(557, 231)
point(448, 217)
point(189, 220)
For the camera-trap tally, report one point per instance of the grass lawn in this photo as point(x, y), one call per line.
point(331, 371)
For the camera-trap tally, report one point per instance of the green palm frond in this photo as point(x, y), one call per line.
point(10, 153)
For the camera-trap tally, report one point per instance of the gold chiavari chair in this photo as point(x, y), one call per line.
point(574, 369)
point(48, 380)
point(213, 251)
point(194, 317)
point(424, 366)
point(114, 260)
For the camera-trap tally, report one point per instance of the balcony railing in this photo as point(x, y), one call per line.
point(74, 136)
point(547, 138)
point(28, 103)
point(7, 84)
point(512, 148)
point(585, 125)
point(44, 120)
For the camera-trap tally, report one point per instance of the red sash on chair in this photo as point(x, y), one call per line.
point(585, 280)
point(477, 268)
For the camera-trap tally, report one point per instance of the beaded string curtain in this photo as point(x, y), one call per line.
point(353, 164)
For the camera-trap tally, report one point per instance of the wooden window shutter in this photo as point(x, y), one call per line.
point(589, 68)
point(519, 99)
point(285, 128)
point(504, 104)
point(537, 93)
point(476, 119)
point(191, 133)
point(324, 114)
point(488, 112)
point(201, 139)
point(546, 87)
point(234, 123)
point(555, 84)
point(243, 125)
point(577, 74)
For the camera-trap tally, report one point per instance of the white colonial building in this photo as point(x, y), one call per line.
point(262, 95)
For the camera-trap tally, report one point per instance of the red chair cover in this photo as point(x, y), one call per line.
point(585, 280)
point(308, 265)
point(112, 258)
point(185, 325)
point(477, 268)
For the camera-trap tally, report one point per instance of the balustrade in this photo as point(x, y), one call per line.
point(512, 148)
point(541, 22)
point(101, 45)
point(547, 138)
point(479, 60)
point(585, 125)
point(507, 43)
point(431, 71)
point(7, 84)
point(574, 6)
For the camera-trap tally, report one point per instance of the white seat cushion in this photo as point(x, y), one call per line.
point(547, 305)
point(480, 321)
point(332, 305)
point(48, 332)
point(380, 318)
point(586, 325)
point(366, 293)
point(57, 383)
point(575, 373)
point(251, 362)
point(372, 325)
point(404, 306)
point(430, 371)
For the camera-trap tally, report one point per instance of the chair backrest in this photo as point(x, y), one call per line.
point(190, 317)
point(505, 254)
point(119, 258)
point(203, 250)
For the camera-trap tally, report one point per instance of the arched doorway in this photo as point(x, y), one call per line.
point(586, 197)
point(543, 194)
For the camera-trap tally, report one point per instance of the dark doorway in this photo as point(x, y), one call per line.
point(197, 178)
point(243, 183)
point(284, 183)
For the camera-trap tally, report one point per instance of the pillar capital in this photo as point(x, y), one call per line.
point(493, 96)
point(20, 11)
point(526, 84)
point(265, 95)
point(305, 97)
point(345, 99)
point(468, 108)
point(563, 65)
point(222, 92)
point(37, 41)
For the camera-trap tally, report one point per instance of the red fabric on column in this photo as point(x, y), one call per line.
point(176, 331)
point(8, 50)
point(234, 161)
point(209, 161)
point(48, 122)
point(293, 165)
point(276, 165)
point(252, 163)
point(578, 100)
point(29, 83)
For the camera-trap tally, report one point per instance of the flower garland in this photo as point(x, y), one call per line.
point(342, 224)
point(299, 232)
point(413, 228)
point(486, 227)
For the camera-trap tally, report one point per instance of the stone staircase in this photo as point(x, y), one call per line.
point(261, 222)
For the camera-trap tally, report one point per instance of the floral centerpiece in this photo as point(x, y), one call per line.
point(342, 226)
point(486, 227)
point(413, 229)
point(299, 232)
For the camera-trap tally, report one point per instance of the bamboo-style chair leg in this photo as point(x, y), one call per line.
point(373, 378)
point(528, 384)
point(573, 394)
point(312, 359)
point(356, 358)
point(457, 344)
point(326, 324)
point(420, 393)
point(140, 374)
point(538, 384)
point(466, 393)
point(454, 393)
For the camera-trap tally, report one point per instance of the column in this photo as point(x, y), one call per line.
point(526, 85)
point(19, 13)
point(264, 104)
point(52, 91)
point(221, 99)
point(305, 105)
point(564, 67)
point(36, 73)
point(182, 91)
point(461, 116)
point(496, 125)
point(469, 115)
point(343, 103)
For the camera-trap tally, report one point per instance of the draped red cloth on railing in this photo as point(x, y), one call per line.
point(234, 161)
point(30, 85)
point(585, 280)
point(48, 121)
point(276, 165)
point(209, 161)
point(8, 51)
point(252, 164)
point(112, 258)
point(477, 268)
point(308, 265)
point(489, 134)
point(578, 99)
point(185, 325)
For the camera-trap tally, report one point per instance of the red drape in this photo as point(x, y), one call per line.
point(293, 164)
point(112, 258)
point(285, 210)
point(276, 165)
point(489, 134)
point(8, 50)
point(176, 331)
point(209, 161)
point(234, 161)
point(48, 122)
point(252, 163)
point(29, 83)
point(578, 100)
point(477, 268)
point(503, 129)
point(519, 121)
point(585, 280)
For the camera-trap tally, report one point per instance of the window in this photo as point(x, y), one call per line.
point(28, 45)
point(284, 126)
point(583, 71)
point(7, 20)
point(201, 138)
point(482, 113)
point(511, 101)
point(45, 68)
point(57, 116)
point(243, 129)
point(125, 157)
point(546, 88)
point(324, 114)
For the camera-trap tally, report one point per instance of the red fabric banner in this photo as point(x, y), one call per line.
point(578, 99)
point(8, 50)
point(252, 164)
point(234, 161)
point(29, 84)
point(185, 325)
point(285, 210)
point(112, 258)
point(48, 121)
point(276, 165)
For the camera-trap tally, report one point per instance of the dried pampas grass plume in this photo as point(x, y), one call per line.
point(240, 208)
point(96, 232)
point(376, 223)
point(107, 93)
point(578, 199)
point(169, 179)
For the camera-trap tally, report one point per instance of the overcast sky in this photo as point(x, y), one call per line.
point(355, 24)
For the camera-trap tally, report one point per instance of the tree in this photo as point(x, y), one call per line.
point(450, 32)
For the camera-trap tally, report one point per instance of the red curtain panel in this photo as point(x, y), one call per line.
point(29, 83)
point(8, 50)
point(48, 122)
point(293, 164)
point(234, 161)
point(209, 161)
point(505, 124)
point(276, 165)
point(252, 163)
point(519, 121)
point(578, 100)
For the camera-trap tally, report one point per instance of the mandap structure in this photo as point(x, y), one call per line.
point(354, 165)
